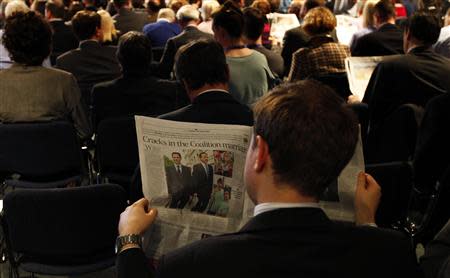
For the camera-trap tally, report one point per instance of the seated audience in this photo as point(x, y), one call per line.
point(30, 92)
point(412, 78)
point(295, 7)
point(127, 19)
point(296, 38)
point(90, 63)
point(321, 56)
point(63, 37)
point(387, 39)
point(188, 17)
point(208, 7)
point(253, 29)
point(287, 222)
point(442, 46)
point(163, 29)
point(368, 24)
point(136, 92)
point(108, 29)
point(249, 72)
point(202, 68)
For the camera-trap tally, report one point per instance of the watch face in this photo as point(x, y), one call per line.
point(127, 239)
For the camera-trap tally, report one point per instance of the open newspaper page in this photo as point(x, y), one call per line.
point(194, 174)
point(280, 23)
point(346, 26)
point(359, 70)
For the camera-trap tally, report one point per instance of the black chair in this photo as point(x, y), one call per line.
point(40, 154)
point(62, 231)
point(337, 81)
point(395, 179)
point(116, 150)
point(394, 139)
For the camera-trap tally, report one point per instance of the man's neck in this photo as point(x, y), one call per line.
point(208, 87)
point(389, 21)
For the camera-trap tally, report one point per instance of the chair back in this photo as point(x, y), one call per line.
point(53, 231)
point(117, 151)
point(40, 151)
point(395, 139)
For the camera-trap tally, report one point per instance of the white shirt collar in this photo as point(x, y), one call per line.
point(213, 90)
point(163, 19)
point(264, 207)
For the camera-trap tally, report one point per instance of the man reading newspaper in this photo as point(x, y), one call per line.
point(303, 137)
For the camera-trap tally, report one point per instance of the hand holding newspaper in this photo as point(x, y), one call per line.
point(194, 174)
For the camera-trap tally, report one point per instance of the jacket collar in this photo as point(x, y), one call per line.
point(213, 96)
point(288, 218)
point(89, 44)
point(387, 27)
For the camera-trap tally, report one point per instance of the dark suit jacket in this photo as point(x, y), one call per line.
point(213, 107)
point(189, 34)
point(177, 183)
point(412, 78)
point(161, 31)
point(433, 148)
point(90, 63)
point(387, 40)
point(63, 39)
point(136, 95)
point(129, 20)
point(202, 183)
point(295, 242)
point(293, 40)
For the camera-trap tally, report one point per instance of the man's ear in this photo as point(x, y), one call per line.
point(262, 154)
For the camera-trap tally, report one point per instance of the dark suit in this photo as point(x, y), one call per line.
point(90, 63)
point(63, 39)
point(203, 183)
point(412, 78)
point(387, 40)
point(214, 107)
point(189, 34)
point(293, 40)
point(129, 20)
point(136, 95)
point(294, 242)
point(161, 31)
point(179, 185)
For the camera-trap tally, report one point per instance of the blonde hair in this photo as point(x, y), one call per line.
point(107, 26)
point(16, 6)
point(368, 13)
point(207, 9)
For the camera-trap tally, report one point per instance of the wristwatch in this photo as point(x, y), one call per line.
point(121, 241)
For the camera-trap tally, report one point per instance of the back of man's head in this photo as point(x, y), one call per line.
point(384, 10)
point(423, 27)
point(28, 38)
point(121, 3)
point(311, 4)
point(201, 63)
point(56, 8)
point(167, 13)
point(85, 24)
point(253, 23)
point(310, 134)
point(134, 53)
point(188, 13)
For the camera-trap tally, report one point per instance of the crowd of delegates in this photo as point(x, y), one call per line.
point(88, 61)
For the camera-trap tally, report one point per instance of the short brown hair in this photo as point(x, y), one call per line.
point(85, 24)
point(310, 132)
point(319, 20)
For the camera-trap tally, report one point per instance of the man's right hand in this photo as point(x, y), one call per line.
point(136, 218)
point(367, 199)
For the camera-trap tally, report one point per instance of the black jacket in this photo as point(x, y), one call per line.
point(387, 40)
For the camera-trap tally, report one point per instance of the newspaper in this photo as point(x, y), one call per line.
point(194, 174)
point(346, 26)
point(279, 24)
point(359, 70)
